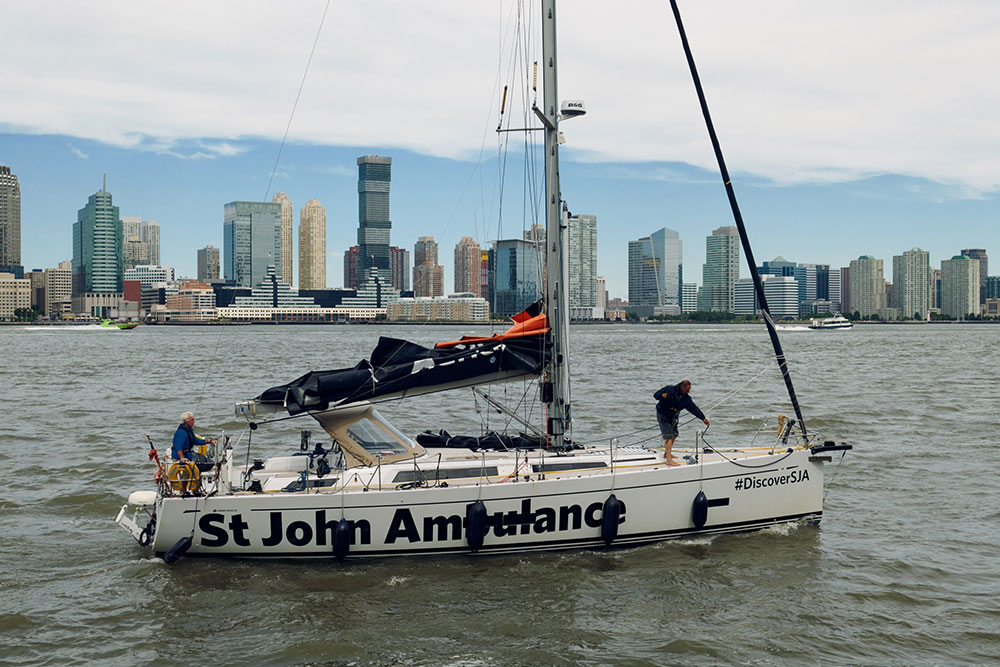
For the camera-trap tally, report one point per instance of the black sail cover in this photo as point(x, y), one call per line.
point(399, 368)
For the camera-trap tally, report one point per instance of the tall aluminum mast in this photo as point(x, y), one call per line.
point(556, 251)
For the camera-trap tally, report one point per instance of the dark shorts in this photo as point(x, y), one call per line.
point(668, 425)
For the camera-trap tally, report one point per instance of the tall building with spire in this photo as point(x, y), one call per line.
point(10, 223)
point(312, 246)
point(374, 225)
point(97, 246)
point(468, 266)
point(287, 215)
point(720, 271)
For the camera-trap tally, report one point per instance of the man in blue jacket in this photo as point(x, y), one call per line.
point(185, 441)
point(669, 402)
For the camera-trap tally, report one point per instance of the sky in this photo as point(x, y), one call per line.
point(849, 128)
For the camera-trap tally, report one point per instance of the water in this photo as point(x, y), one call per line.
point(903, 569)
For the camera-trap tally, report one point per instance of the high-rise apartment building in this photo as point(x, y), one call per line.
point(140, 241)
point(10, 223)
point(374, 225)
point(149, 233)
point(911, 282)
point(208, 263)
point(97, 247)
point(351, 256)
point(845, 290)
point(312, 246)
point(582, 240)
point(720, 271)
point(428, 275)
point(960, 286)
point(984, 264)
point(399, 262)
point(467, 266)
point(602, 294)
point(251, 233)
point(515, 275)
point(655, 270)
point(867, 286)
point(287, 218)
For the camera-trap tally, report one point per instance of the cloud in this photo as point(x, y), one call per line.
point(799, 93)
point(77, 152)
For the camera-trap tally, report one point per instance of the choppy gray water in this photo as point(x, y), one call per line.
point(903, 570)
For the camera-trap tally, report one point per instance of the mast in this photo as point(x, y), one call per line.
point(738, 217)
point(556, 390)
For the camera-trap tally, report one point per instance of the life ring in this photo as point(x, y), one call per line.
point(184, 477)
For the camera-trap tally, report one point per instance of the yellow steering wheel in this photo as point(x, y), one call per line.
point(184, 477)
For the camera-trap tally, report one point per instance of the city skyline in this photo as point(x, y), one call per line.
point(835, 167)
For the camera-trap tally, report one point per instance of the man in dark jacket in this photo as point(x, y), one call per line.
point(669, 402)
point(185, 441)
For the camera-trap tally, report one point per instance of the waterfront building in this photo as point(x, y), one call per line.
point(10, 223)
point(15, 293)
point(372, 296)
point(97, 247)
point(272, 292)
point(745, 297)
point(655, 270)
point(312, 246)
point(251, 235)
point(287, 219)
point(911, 283)
point(193, 302)
point(867, 286)
point(689, 297)
point(351, 267)
point(374, 225)
point(805, 276)
point(602, 294)
point(459, 307)
point(833, 287)
point(992, 307)
point(720, 271)
point(97, 305)
point(984, 264)
point(960, 286)
point(582, 240)
point(148, 274)
point(399, 262)
point(208, 263)
point(36, 280)
point(467, 266)
point(59, 291)
point(428, 275)
point(782, 294)
point(514, 271)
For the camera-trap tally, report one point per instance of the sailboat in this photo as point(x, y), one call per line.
point(375, 491)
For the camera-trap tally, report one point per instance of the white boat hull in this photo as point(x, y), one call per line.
point(536, 515)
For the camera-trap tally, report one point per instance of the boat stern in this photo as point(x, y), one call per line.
point(141, 522)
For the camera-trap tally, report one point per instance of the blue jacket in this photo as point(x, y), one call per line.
point(184, 441)
point(670, 401)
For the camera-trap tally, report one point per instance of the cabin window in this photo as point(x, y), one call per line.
point(374, 439)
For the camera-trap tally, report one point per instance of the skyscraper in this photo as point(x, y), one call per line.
point(351, 267)
point(980, 254)
point(10, 223)
point(867, 285)
point(514, 275)
point(911, 282)
point(140, 242)
point(428, 275)
point(655, 272)
point(287, 215)
point(149, 233)
point(399, 261)
point(251, 233)
point(97, 247)
point(374, 175)
point(312, 245)
point(208, 263)
point(467, 266)
point(720, 271)
point(582, 240)
point(960, 286)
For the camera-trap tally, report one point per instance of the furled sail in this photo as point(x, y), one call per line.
point(401, 368)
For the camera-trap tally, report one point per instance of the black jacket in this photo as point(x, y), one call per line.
point(670, 401)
